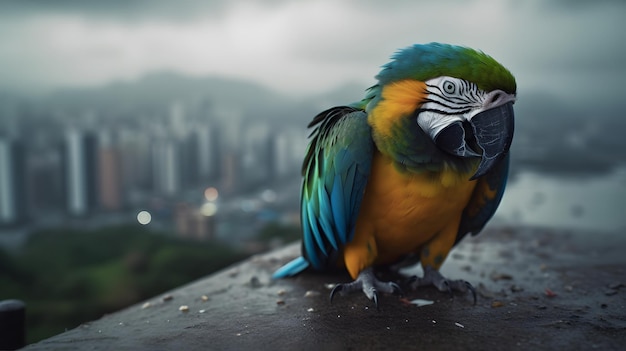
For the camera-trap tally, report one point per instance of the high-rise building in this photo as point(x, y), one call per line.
point(110, 173)
point(193, 224)
point(207, 152)
point(289, 147)
point(178, 119)
point(80, 161)
point(230, 172)
point(135, 150)
point(44, 180)
point(279, 155)
point(190, 162)
point(12, 189)
point(166, 172)
point(199, 156)
point(255, 161)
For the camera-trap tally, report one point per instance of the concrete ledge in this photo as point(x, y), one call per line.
point(537, 289)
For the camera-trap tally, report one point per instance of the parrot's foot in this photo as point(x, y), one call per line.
point(369, 284)
point(434, 278)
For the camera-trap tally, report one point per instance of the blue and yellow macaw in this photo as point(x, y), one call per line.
point(409, 170)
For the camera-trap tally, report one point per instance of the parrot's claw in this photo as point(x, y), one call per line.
point(369, 284)
point(434, 278)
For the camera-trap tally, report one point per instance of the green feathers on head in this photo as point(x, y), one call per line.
point(426, 61)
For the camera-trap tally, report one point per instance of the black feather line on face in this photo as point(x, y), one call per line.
point(468, 93)
point(450, 107)
point(441, 112)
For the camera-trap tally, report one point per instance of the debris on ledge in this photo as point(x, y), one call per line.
point(512, 269)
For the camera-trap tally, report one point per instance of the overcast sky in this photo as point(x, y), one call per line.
point(574, 49)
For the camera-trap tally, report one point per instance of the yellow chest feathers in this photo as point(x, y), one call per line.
point(401, 212)
point(385, 177)
point(404, 201)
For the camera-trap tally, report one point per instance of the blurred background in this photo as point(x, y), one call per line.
point(146, 144)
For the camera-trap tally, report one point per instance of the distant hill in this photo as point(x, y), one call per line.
point(158, 90)
point(552, 135)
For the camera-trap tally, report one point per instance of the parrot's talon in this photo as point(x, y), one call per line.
point(368, 284)
point(434, 278)
point(448, 288)
point(396, 289)
point(471, 288)
point(337, 289)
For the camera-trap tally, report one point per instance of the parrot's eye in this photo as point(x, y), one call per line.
point(449, 87)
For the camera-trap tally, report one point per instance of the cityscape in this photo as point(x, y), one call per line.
point(188, 168)
point(147, 145)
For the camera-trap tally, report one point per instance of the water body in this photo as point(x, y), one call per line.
point(590, 204)
point(595, 204)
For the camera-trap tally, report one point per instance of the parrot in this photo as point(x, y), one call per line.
point(408, 171)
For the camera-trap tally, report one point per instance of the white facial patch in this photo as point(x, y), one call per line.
point(432, 122)
point(452, 100)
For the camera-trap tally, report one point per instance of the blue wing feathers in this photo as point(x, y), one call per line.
point(496, 180)
point(314, 227)
point(292, 268)
point(309, 237)
point(326, 216)
point(348, 188)
point(335, 169)
point(339, 213)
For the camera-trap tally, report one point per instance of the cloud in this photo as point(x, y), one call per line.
point(305, 47)
point(120, 10)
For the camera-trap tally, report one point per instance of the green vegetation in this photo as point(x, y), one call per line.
point(276, 231)
point(68, 277)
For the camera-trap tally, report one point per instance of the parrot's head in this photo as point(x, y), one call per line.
point(460, 98)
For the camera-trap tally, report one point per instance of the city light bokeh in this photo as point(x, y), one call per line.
point(208, 209)
point(144, 217)
point(211, 194)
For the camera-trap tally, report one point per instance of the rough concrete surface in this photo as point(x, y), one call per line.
point(537, 289)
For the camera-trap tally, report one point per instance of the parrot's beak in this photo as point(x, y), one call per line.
point(487, 135)
point(493, 130)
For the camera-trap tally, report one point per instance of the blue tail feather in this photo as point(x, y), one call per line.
point(292, 268)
